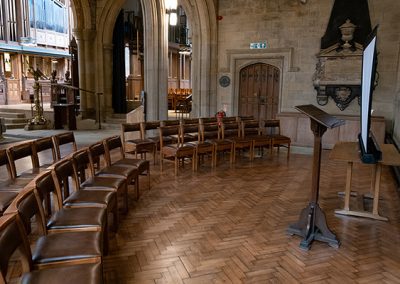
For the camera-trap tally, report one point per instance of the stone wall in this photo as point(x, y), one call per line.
point(291, 25)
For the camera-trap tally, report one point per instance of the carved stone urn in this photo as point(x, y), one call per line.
point(347, 30)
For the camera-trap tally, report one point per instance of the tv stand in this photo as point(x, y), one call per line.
point(349, 152)
point(312, 222)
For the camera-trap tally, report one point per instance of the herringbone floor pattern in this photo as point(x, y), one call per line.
point(228, 225)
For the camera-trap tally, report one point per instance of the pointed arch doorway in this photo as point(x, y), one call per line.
point(259, 91)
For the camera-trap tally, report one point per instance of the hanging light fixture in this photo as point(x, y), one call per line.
point(171, 7)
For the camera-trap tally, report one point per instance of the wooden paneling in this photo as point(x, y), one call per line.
point(297, 127)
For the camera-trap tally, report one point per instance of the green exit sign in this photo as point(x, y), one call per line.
point(258, 45)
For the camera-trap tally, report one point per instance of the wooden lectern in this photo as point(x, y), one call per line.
point(312, 223)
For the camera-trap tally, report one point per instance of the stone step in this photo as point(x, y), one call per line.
point(15, 125)
point(8, 120)
point(5, 114)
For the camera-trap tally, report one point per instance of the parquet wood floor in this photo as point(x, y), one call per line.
point(228, 225)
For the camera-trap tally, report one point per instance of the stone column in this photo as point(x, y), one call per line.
point(90, 67)
point(81, 62)
point(107, 95)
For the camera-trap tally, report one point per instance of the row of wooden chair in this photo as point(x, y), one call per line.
point(196, 138)
point(74, 227)
point(25, 160)
point(143, 137)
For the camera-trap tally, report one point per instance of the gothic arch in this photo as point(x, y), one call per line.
point(203, 18)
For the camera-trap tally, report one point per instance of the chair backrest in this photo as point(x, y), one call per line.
point(43, 147)
point(13, 237)
point(62, 172)
point(209, 131)
point(45, 187)
point(97, 152)
point(4, 162)
point(272, 126)
point(250, 127)
point(204, 120)
point(190, 121)
point(228, 119)
point(170, 122)
point(148, 128)
point(20, 151)
point(245, 118)
point(230, 129)
point(81, 162)
point(131, 131)
point(192, 129)
point(167, 131)
point(25, 204)
point(65, 144)
point(111, 144)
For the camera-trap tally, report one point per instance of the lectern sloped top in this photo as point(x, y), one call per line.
point(320, 116)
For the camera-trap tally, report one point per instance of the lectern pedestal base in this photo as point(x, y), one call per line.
point(312, 226)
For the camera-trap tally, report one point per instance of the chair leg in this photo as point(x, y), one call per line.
point(137, 188)
point(161, 162)
point(176, 165)
point(194, 162)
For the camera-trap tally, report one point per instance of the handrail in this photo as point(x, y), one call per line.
point(72, 87)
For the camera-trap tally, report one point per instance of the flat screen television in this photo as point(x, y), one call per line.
point(370, 152)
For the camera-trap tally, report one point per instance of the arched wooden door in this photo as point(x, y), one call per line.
point(259, 91)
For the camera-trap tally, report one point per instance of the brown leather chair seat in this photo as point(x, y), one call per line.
point(69, 247)
point(68, 219)
point(102, 198)
point(76, 274)
point(114, 179)
point(53, 250)
point(13, 237)
point(114, 144)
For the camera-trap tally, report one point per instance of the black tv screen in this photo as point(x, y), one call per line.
point(369, 149)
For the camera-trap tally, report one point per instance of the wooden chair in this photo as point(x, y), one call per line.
point(18, 157)
point(177, 152)
point(137, 145)
point(45, 150)
point(55, 250)
point(252, 129)
point(107, 178)
point(64, 144)
point(9, 187)
point(64, 174)
point(210, 132)
point(149, 130)
point(13, 237)
point(113, 144)
point(232, 131)
point(203, 147)
point(63, 219)
point(190, 132)
point(273, 130)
